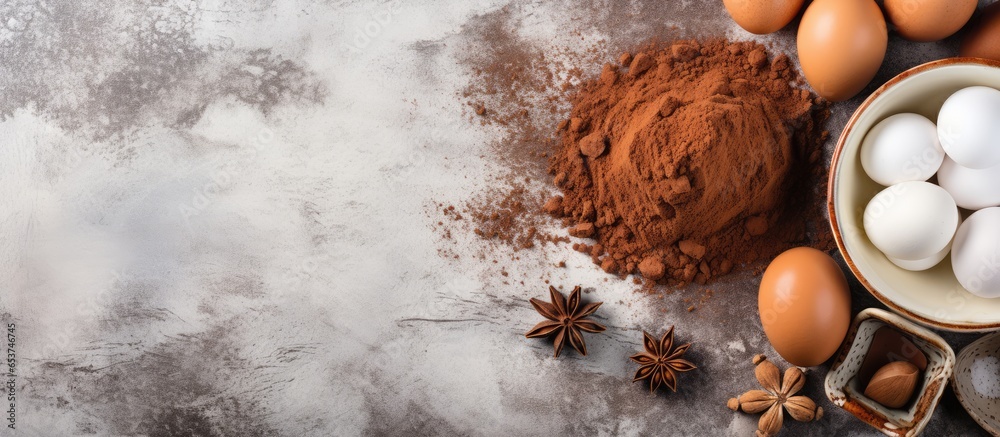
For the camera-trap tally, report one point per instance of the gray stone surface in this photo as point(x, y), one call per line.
point(219, 218)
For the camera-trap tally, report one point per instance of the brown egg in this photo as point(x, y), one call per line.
point(804, 305)
point(983, 41)
point(763, 16)
point(929, 20)
point(841, 46)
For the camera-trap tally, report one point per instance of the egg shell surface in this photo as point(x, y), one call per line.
point(841, 45)
point(921, 264)
point(763, 16)
point(805, 306)
point(969, 127)
point(903, 147)
point(911, 220)
point(971, 188)
point(983, 39)
point(975, 255)
point(929, 20)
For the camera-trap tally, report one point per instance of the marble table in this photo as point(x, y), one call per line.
point(219, 219)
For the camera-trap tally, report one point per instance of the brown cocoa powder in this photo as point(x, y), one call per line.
point(523, 89)
point(507, 218)
point(520, 88)
point(691, 159)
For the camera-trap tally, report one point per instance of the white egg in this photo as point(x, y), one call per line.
point(903, 147)
point(975, 254)
point(970, 187)
point(969, 127)
point(921, 264)
point(911, 221)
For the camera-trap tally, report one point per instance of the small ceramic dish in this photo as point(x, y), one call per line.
point(977, 381)
point(846, 390)
point(932, 297)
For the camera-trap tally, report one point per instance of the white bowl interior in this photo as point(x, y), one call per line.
point(977, 384)
point(933, 294)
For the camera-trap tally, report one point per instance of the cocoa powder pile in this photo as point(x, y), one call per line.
point(688, 160)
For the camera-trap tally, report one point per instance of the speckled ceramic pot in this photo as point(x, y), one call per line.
point(845, 391)
point(983, 407)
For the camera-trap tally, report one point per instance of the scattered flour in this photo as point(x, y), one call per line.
point(737, 345)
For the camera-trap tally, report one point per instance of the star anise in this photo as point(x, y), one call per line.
point(565, 320)
point(777, 393)
point(661, 362)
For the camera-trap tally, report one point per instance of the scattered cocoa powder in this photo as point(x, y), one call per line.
point(692, 159)
point(507, 218)
point(523, 89)
point(520, 87)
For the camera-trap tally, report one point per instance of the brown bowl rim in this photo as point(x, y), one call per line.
point(834, 170)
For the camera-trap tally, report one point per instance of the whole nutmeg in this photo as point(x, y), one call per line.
point(893, 384)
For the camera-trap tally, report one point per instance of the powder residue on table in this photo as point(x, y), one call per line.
point(507, 218)
point(521, 89)
point(688, 160)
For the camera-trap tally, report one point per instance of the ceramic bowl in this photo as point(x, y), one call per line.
point(980, 362)
point(846, 391)
point(932, 297)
